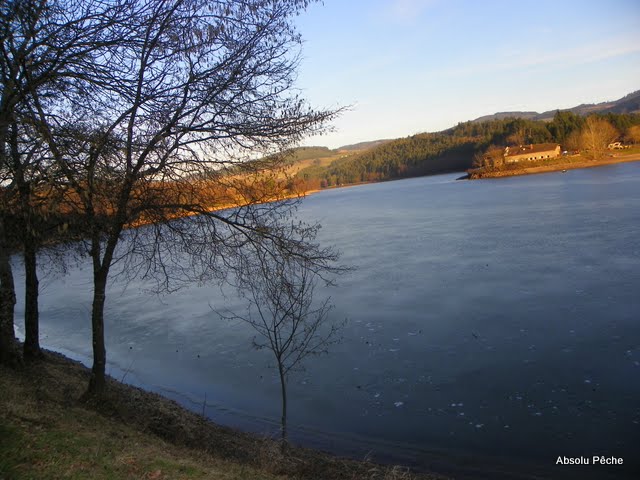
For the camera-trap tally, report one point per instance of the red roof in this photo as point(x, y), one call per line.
point(531, 148)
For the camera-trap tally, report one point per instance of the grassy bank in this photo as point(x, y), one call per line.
point(46, 432)
point(550, 165)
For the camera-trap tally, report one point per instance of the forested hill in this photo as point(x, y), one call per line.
point(423, 154)
point(450, 150)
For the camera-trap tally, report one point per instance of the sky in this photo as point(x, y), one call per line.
point(410, 66)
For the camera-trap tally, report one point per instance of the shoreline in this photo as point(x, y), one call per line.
point(471, 174)
point(49, 393)
point(122, 426)
point(559, 167)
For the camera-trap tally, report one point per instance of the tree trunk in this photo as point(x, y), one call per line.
point(32, 349)
point(283, 424)
point(97, 382)
point(101, 266)
point(9, 349)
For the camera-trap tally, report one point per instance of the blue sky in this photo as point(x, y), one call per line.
point(410, 66)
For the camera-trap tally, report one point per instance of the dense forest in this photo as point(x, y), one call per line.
point(454, 149)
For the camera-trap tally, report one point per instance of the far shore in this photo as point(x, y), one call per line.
point(556, 167)
point(572, 163)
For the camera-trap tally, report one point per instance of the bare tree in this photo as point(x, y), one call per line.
point(47, 46)
point(632, 135)
point(16, 23)
point(153, 132)
point(9, 349)
point(595, 136)
point(492, 157)
point(519, 137)
point(34, 210)
point(279, 290)
point(573, 141)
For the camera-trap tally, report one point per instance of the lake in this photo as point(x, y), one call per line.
point(492, 326)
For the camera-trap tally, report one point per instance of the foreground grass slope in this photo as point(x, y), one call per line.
point(46, 432)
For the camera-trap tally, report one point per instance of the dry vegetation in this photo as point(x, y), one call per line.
point(319, 162)
point(550, 165)
point(46, 432)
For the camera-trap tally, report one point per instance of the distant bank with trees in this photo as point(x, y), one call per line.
point(463, 147)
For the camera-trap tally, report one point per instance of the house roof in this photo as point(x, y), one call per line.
point(531, 148)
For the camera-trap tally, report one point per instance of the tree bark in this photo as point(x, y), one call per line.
point(101, 266)
point(283, 424)
point(32, 350)
point(9, 349)
point(97, 382)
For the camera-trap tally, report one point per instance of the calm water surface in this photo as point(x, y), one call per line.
point(493, 324)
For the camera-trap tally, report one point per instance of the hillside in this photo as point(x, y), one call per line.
point(627, 104)
point(503, 115)
point(364, 145)
point(306, 153)
point(315, 160)
point(454, 149)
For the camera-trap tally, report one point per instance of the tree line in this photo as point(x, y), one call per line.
point(456, 148)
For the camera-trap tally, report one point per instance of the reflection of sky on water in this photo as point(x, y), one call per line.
point(494, 317)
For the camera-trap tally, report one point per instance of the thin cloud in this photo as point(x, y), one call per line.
point(409, 10)
point(572, 57)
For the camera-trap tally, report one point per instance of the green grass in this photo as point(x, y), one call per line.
point(634, 149)
point(42, 438)
point(310, 153)
point(12, 448)
point(89, 446)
